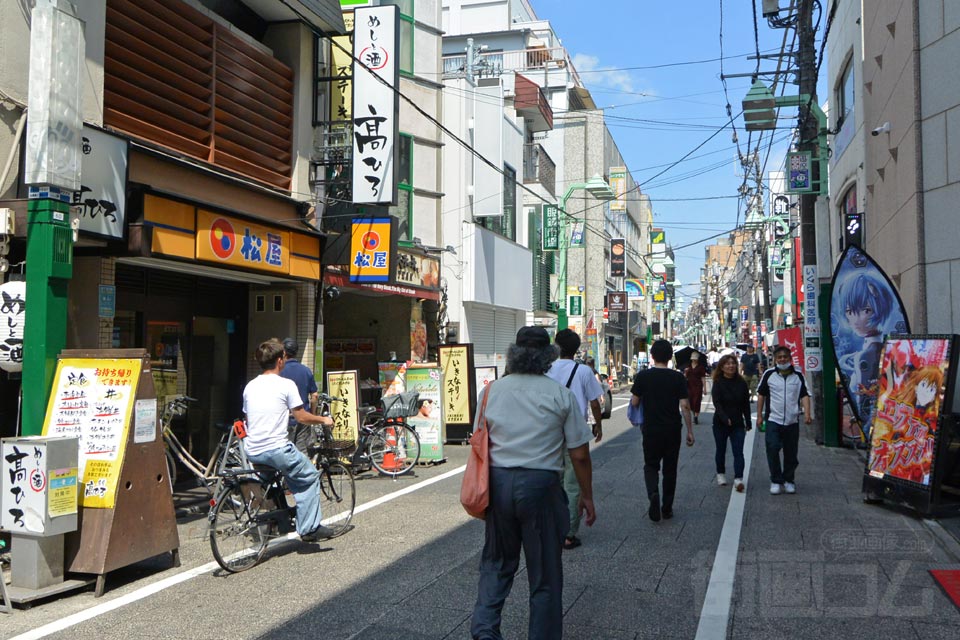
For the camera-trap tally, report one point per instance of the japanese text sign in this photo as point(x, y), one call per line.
point(456, 365)
point(13, 305)
point(346, 419)
point(231, 241)
point(376, 32)
point(341, 93)
point(799, 169)
point(102, 199)
point(429, 418)
point(617, 301)
point(92, 399)
point(550, 228)
point(618, 182)
point(371, 243)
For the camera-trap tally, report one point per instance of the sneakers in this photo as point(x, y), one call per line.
point(721, 480)
point(320, 533)
point(775, 489)
point(738, 485)
point(789, 487)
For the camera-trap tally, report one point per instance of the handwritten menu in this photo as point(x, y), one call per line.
point(92, 400)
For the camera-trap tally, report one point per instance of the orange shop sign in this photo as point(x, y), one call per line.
point(371, 250)
point(225, 240)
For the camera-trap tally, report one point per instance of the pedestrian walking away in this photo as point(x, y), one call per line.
point(583, 382)
point(268, 400)
point(663, 393)
point(301, 435)
point(779, 395)
point(750, 370)
point(695, 374)
point(531, 420)
point(731, 418)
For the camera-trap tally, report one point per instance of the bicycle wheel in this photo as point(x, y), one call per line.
point(337, 496)
point(237, 540)
point(394, 449)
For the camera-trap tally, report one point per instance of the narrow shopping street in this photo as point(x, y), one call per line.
point(818, 564)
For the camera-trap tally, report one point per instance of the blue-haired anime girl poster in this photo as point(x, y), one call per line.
point(864, 309)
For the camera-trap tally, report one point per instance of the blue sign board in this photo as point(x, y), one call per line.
point(108, 300)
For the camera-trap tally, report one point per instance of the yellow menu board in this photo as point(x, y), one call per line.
point(92, 400)
point(346, 418)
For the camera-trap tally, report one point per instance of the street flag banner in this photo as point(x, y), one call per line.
point(635, 289)
point(864, 308)
point(618, 258)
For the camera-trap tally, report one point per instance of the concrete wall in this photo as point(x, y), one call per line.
point(893, 198)
point(939, 35)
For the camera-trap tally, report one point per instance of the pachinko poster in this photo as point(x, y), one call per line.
point(906, 420)
point(864, 309)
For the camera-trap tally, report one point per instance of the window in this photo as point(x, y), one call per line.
point(404, 207)
point(505, 225)
point(406, 34)
point(844, 94)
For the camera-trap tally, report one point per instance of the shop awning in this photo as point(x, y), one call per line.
point(375, 288)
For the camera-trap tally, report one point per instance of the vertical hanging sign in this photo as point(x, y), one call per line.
point(618, 258)
point(550, 228)
point(618, 181)
point(376, 79)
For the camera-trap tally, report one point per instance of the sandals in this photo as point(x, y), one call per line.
point(571, 542)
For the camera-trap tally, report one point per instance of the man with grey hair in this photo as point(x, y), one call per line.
point(531, 420)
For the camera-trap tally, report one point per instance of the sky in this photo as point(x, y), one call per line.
point(659, 115)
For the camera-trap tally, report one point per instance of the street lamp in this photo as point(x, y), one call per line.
point(599, 189)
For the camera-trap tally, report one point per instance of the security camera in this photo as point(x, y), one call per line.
point(884, 128)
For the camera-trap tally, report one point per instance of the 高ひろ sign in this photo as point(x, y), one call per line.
point(376, 77)
point(102, 199)
point(231, 241)
point(371, 250)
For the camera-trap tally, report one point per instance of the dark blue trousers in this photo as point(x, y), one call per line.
point(737, 435)
point(528, 509)
point(786, 437)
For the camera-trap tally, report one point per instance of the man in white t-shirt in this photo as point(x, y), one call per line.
point(268, 401)
point(586, 388)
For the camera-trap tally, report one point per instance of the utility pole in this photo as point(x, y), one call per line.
point(807, 64)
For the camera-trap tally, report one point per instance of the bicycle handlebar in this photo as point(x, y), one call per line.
point(327, 398)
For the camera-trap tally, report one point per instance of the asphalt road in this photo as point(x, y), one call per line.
point(819, 564)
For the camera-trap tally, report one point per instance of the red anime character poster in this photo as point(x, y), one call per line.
point(911, 391)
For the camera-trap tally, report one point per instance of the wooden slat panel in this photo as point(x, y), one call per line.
point(272, 160)
point(232, 114)
point(140, 111)
point(147, 131)
point(241, 166)
point(121, 61)
point(179, 15)
point(271, 63)
point(257, 107)
point(159, 33)
point(198, 73)
point(144, 82)
point(234, 59)
point(255, 91)
point(254, 141)
point(120, 89)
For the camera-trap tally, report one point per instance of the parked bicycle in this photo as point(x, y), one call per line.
point(228, 452)
point(387, 442)
point(251, 507)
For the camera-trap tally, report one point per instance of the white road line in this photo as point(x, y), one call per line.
point(716, 604)
point(189, 574)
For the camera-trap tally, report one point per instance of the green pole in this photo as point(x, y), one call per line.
point(49, 269)
point(831, 410)
point(562, 321)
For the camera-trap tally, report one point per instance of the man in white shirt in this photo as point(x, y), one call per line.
point(268, 401)
point(586, 388)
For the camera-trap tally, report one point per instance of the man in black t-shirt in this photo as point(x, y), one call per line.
point(750, 369)
point(663, 393)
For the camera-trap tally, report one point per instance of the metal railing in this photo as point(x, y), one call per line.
point(494, 63)
point(539, 167)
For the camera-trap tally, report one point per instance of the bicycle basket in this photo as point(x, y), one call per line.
point(402, 405)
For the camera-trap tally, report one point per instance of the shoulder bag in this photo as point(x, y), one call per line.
point(475, 488)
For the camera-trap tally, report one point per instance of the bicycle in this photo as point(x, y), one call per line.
point(228, 452)
point(387, 442)
point(251, 507)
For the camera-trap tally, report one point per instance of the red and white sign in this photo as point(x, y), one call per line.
point(793, 339)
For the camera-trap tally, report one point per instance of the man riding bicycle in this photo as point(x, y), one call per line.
point(268, 400)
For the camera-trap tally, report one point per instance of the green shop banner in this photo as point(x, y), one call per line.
point(429, 418)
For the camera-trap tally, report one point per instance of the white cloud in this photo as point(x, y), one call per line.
point(602, 75)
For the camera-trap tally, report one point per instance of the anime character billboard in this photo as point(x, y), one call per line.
point(907, 415)
point(864, 308)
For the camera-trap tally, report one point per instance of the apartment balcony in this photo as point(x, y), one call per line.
point(531, 104)
point(538, 167)
point(494, 63)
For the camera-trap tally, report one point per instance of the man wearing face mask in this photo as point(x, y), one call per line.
point(780, 393)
